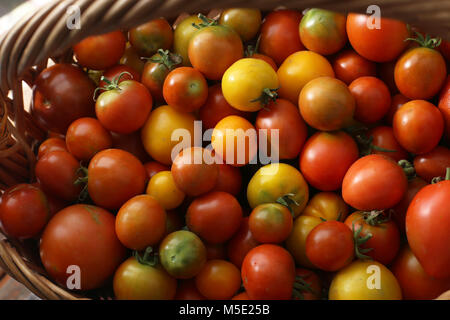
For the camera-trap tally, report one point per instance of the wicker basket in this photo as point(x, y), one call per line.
point(25, 51)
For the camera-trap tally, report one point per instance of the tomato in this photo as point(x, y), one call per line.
point(229, 179)
point(383, 237)
point(397, 101)
point(432, 164)
point(298, 69)
point(242, 91)
point(151, 36)
point(215, 216)
point(213, 49)
point(215, 251)
point(427, 225)
point(101, 51)
point(57, 87)
point(182, 254)
point(81, 235)
point(153, 167)
point(268, 273)
point(235, 134)
point(115, 176)
point(374, 182)
point(156, 70)
point(163, 188)
point(270, 223)
point(136, 280)
point(186, 290)
point(418, 126)
point(323, 31)
point(51, 144)
point(377, 43)
point(279, 34)
point(57, 172)
point(85, 137)
point(216, 108)
point(348, 66)
point(157, 132)
point(245, 21)
point(326, 206)
point(285, 117)
point(415, 283)
point(420, 73)
point(24, 211)
point(278, 180)
point(131, 143)
point(182, 35)
point(218, 274)
point(307, 285)
point(185, 89)
point(132, 59)
point(241, 243)
point(326, 157)
point(383, 137)
point(241, 296)
point(194, 171)
point(296, 242)
point(372, 98)
point(140, 222)
point(116, 71)
point(444, 106)
point(124, 107)
point(365, 280)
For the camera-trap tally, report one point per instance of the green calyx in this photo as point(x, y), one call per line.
point(408, 169)
point(439, 179)
point(111, 84)
point(364, 141)
point(206, 22)
point(268, 95)
point(167, 59)
point(359, 241)
point(427, 41)
point(251, 50)
point(375, 217)
point(288, 201)
point(300, 286)
point(82, 181)
point(149, 258)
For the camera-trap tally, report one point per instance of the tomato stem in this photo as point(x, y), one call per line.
point(439, 179)
point(408, 168)
point(149, 258)
point(111, 84)
point(206, 22)
point(427, 41)
point(267, 96)
point(359, 241)
point(167, 59)
point(82, 180)
point(251, 50)
point(288, 201)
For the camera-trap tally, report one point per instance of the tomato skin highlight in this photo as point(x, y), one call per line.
point(349, 65)
point(432, 164)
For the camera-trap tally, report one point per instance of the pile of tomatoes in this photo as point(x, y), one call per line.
point(356, 208)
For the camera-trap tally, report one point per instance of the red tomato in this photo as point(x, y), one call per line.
point(24, 211)
point(397, 101)
point(326, 157)
point(418, 126)
point(131, 143)
point(101, 51)
point(118, 70)
point(385, 72)
point(427, 226)
point(268, 273)
point(348, 66)
point(87, 231)
point(372, 99)
point(85, 137)
point(378, 43)
point(51, 144)
point(383, 137)
point(57, 87)
point(283, 116)
point(241, 243)
point(185, 89)
point(432, 164)
point(330, 246)
point(215, 216)
point(115, 176)
point(279, 34)
point(229, 179)
point(215, 251)
point(147, 38)
point(307, 284)
point(444, 106)
point(57, 172)
point(270, 223)
point(153, 167)
point(186, 290)
point(374, 182)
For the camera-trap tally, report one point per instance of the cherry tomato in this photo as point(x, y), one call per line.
point(268, 273)
point(377, 43)
point(397, 101)
point(285, 117)
point(444, 106)
point(383, 137)
point(418, 126)
point(151, 36)
point(326, 157)
point(57, 87)
point(215, 216)
point(326, 206)
point(185, 89)
point(432, 164)
point(245, 21)
point(182, 35)
point(215, 251)
point(279, 34)
point(229, 179)
point(85, 137)
point(132, 59)
point(308, 284)
point(51, 144)
point(128, 73)
point(163, 188)
point(101, 51)
point(153, 167)
point(115, 176)
point(186, 290)
point(241, 243)
point(132, 143)
point(87, 231)
point(348, 66)
point(218, 274)
point(270, 223)
point(374, 182)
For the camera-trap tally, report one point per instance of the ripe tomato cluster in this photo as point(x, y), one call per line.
point(356, 207)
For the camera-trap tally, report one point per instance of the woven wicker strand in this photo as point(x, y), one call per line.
point(26, 48)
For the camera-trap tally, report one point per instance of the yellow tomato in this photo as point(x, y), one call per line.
point(162, 187)
point(248, 84)
point(278, 180)
point(245, 21)
point(234, 139)
point(296, 242)
point(326, 205)
point(157, 132)
point(182, 35)
point(298, 69)
point(365, 280)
